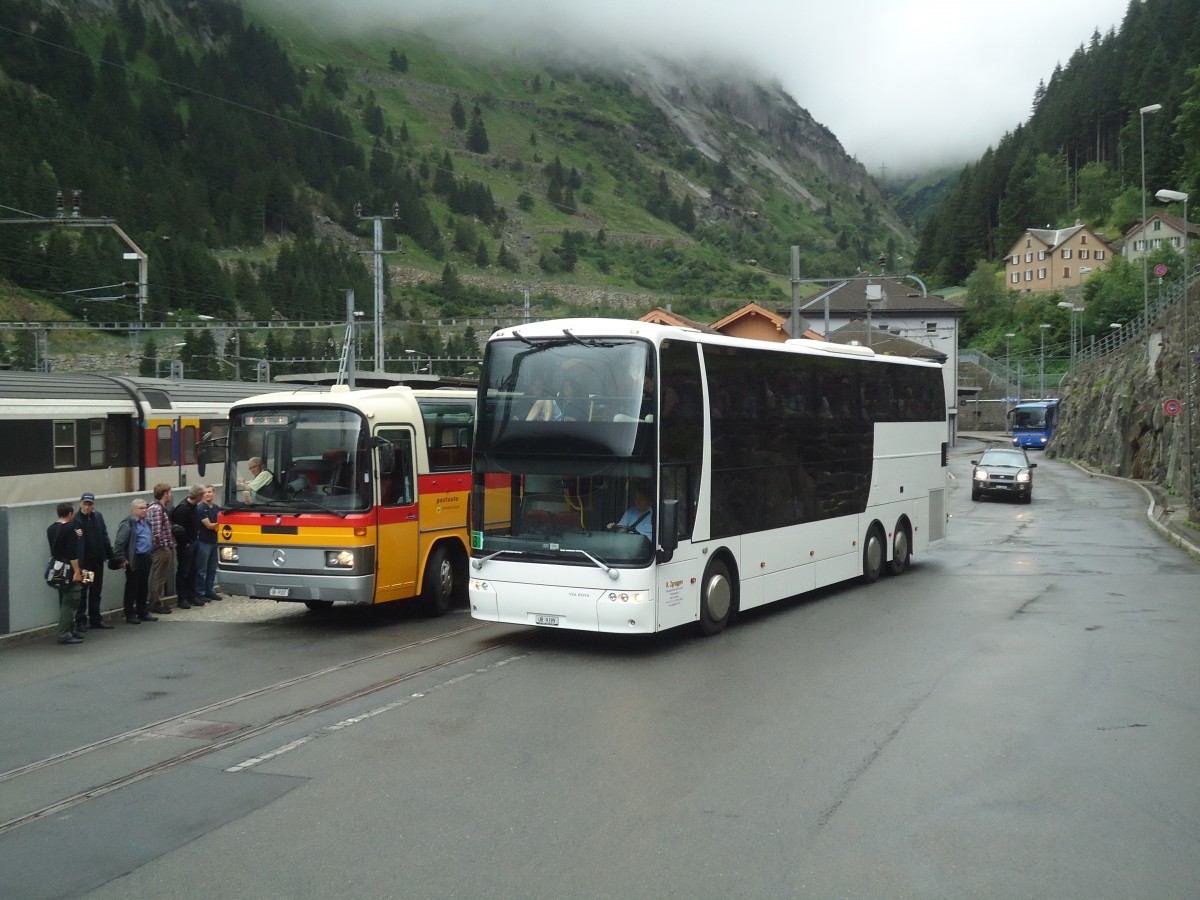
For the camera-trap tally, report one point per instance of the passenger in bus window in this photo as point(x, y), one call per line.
point(574, 401)
point(544, 407)
point(637, 518)
point(260, 477)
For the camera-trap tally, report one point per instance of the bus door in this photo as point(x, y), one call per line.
point(397, 542)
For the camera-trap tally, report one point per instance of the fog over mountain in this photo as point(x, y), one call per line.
point(906, 86)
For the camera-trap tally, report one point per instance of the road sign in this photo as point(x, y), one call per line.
point(1171, 407)
point(1160, 270)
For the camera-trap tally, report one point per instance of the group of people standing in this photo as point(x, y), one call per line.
point(154, 533)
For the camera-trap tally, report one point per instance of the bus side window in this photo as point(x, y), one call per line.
point(396, 487)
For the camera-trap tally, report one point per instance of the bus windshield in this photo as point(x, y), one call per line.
point(298, 458)
point(565, 450)
point(1026, 418)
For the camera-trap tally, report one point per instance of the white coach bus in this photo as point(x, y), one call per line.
point(630, 477)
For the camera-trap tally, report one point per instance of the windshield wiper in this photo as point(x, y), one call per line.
point(612, 573)
point(478, 561)
point(590, 342)
point(313, 504)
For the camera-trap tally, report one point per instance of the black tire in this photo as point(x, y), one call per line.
point(974, 495)
point(1028, 498)
point(437, 593)
point(901, 549)
point(716, 599)
point(874, 555)
point(319, 606)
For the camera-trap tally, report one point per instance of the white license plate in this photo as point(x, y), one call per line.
point(546, 620)
point(278, 592)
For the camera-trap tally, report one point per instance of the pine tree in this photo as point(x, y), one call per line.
point(477, 139)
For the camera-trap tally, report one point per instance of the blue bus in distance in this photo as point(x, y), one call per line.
point(1033, 423)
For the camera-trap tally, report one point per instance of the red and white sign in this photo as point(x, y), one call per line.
point(1160, 270)
point(1171, 407)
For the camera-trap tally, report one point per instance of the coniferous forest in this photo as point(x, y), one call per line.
point(1079, 154)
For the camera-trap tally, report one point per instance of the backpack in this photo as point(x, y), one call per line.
point(58, 573)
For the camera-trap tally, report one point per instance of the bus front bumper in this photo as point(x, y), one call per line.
point(299, 588)
point(612, 610)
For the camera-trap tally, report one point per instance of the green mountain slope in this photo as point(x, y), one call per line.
point(237, 146)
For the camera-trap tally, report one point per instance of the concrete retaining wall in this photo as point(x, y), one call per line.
point(26, 601)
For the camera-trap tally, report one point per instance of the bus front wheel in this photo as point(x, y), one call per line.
point(716, 599)
point(874, 555)
point(438, 591)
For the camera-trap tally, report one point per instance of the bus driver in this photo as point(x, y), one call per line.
point(260, 477)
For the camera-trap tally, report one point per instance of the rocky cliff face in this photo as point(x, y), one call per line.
point(1112, 413)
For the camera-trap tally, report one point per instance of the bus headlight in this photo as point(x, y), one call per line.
point(627, 596)
point(228, 553)
point(339, 559)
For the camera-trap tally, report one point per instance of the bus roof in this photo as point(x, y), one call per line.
point(558, 328)
point(367, 400)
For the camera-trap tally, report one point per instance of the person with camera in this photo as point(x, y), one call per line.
point(66, 548)
point(97, 550)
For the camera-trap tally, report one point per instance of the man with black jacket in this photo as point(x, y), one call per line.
point(97, 549)
point(64, 548)
point(185, 524)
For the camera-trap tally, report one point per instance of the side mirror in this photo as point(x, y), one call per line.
point(668, 522)
point(387, 456)
point(209, 449)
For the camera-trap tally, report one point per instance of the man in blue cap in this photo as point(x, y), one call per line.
point(97, 549)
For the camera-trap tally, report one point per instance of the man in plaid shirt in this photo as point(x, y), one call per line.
point(162, 545)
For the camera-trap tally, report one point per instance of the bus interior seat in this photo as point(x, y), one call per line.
point(339, 471)
point(538, 521)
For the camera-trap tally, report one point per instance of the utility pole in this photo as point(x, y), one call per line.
point(378, 253)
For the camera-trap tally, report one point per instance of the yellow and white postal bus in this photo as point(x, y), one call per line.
point(630, 477)
point(345, 496)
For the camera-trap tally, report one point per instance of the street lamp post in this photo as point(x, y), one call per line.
point(1042, 365)
point(1168, 196)
point(1008, 336)
point(1152, 108)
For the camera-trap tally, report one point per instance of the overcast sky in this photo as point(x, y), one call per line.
point(905, 84)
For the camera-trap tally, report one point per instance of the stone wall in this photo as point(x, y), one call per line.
point(1112, 414)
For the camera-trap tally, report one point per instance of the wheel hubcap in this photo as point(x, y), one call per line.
point(719, 596)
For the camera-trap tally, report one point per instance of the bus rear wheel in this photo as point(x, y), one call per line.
point(901, 550)
point(438, 591)
point(874, 555)
point(716, 599)
point(318, 606)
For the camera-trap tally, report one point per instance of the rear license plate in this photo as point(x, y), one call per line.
point(546, 620)
point(278, 592)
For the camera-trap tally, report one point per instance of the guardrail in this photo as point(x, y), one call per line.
point(1102, 345)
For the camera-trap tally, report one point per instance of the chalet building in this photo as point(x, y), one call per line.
point(1162, 230)
point(1054, 259)
point(751, 321)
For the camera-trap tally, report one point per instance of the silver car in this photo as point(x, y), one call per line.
point(1003, 472)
